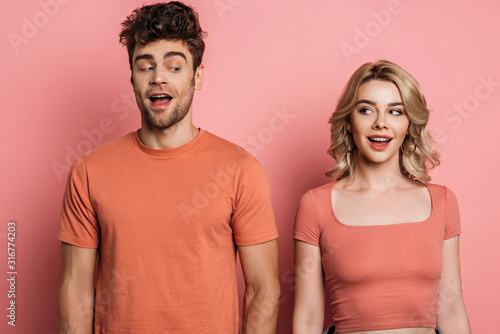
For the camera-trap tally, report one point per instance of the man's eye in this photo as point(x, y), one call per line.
point(175, 69)
point(148, 68)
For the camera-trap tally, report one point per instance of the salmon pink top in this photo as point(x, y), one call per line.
point(379, 276)
point(168, 224)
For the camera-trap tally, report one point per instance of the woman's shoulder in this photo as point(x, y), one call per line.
point(321, 191)
point(441, 194)
point(314, 197)
point(434, 187)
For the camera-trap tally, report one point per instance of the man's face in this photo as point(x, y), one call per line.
point(164, 82)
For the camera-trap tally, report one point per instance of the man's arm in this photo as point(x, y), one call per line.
point(262, 287)
point(309, 297)
point(451, 315)
point(76, 291)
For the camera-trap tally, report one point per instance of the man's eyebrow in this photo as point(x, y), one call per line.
point(175, 53)
point(146, 56)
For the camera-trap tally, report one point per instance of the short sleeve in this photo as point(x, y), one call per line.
point(452, 226)
point(253, 220)
point(79, 225)
point(307, 227)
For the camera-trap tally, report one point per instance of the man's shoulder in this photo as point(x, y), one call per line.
point(225, 147)
point(110, 149)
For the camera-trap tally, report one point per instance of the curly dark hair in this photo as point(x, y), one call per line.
point(169, 21)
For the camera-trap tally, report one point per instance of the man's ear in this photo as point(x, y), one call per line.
point(199, 77)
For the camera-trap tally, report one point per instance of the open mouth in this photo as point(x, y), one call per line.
point(379, 140)
point(160, 98)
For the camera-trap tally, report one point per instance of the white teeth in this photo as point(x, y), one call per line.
point(379, 139)
point(160, 96)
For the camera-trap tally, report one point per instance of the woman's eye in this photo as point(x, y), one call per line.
point(365, 111)
point(396, 112)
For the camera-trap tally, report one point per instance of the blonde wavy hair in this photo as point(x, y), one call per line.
point(416, 156)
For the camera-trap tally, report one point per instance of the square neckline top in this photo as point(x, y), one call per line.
point(429, 218)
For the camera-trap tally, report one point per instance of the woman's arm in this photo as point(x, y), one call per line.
point(451, 315)
point(309, 295)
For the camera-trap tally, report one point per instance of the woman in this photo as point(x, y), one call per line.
point(385, 240)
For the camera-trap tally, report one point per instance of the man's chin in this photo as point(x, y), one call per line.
point(163, 118)
point(157, 123)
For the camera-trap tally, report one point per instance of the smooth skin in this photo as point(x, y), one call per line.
point(378, 194)
point(166, 66)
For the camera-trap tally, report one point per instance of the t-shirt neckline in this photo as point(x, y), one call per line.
point(170, 151)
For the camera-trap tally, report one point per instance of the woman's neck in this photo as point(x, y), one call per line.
point(378, 176)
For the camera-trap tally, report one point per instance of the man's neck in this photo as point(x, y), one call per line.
point(167, 138)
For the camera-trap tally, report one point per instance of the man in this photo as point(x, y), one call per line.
point(166, 208)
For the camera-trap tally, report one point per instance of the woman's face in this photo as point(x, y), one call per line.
point(378, 122)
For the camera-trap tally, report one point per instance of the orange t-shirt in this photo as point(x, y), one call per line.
point(167, 224)
point(383, 276)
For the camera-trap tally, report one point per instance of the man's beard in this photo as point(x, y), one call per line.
point(178, 113)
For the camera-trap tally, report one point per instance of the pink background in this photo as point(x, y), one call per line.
point(66, 78)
